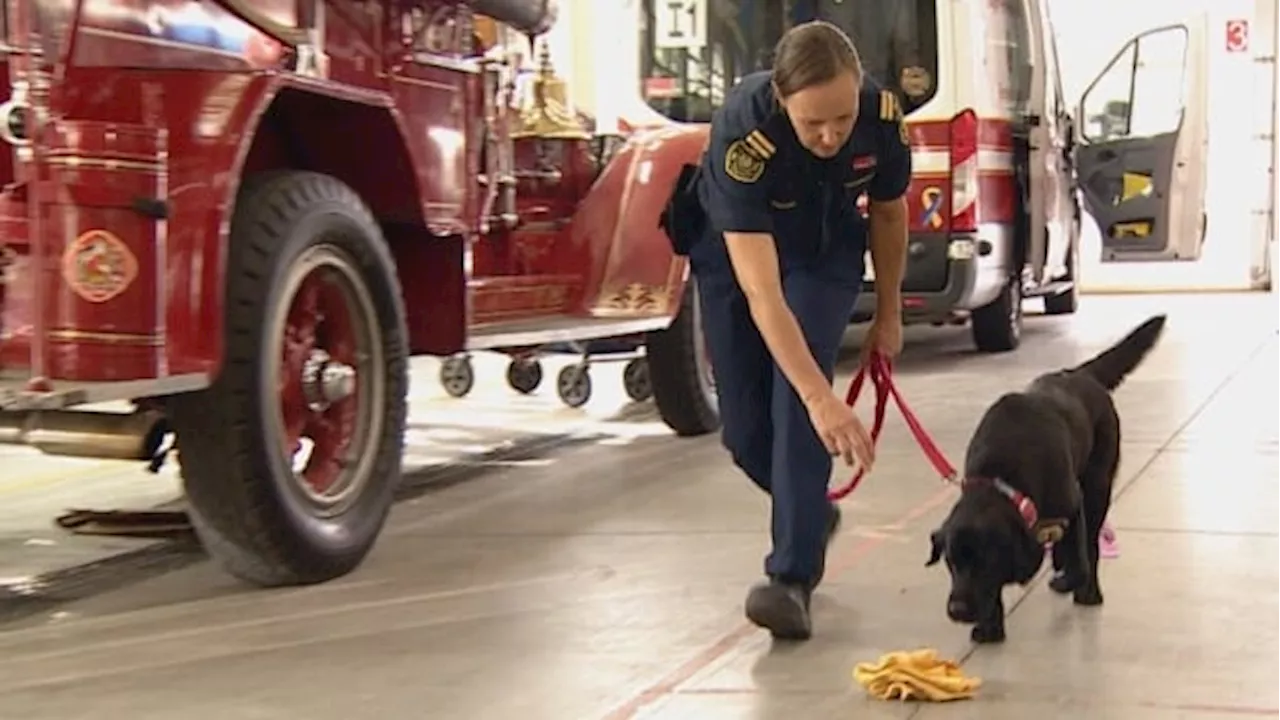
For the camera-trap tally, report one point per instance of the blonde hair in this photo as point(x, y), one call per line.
point(811, 54)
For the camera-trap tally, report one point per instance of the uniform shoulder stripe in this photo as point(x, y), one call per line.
point(761, 144)
point(890, 111)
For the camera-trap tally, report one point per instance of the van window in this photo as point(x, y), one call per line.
point(898, 41)
point(1014, 39)
point(1140, 93)
point(693, 51)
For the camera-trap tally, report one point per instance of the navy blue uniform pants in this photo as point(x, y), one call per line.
point(766, 427)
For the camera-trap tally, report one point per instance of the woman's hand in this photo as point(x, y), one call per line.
point(840, 430)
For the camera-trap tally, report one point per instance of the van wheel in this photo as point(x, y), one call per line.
point(997, 326)
point(1064, 303)
point(1068, 301)
point(680, 371)
point(291, 459)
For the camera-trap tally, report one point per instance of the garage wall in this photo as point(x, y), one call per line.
point(596, 48)
point(1269, 21)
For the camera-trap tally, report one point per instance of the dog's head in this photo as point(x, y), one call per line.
point(986, 546)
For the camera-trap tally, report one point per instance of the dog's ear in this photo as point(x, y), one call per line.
point(939, 543)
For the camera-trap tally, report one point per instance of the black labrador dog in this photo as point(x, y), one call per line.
point(1038, 471)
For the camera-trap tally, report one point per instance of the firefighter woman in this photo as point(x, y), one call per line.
point(778, 269)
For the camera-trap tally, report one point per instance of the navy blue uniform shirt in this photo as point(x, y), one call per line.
point(757, 177)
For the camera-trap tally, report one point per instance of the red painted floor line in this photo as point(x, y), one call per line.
point(838, 564)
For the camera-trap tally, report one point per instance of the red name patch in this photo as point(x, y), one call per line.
point(863, 162)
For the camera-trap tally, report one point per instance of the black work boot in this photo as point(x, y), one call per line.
point(781, 608)
point(833, 526)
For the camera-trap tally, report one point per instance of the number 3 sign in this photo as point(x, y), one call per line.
point(1237, 36)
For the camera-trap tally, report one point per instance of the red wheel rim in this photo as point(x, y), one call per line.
point(328, 377)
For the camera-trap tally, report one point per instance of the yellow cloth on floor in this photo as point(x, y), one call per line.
point(915, 675)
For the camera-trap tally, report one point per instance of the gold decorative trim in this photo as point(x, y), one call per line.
point(72, 335)
point(637, 299)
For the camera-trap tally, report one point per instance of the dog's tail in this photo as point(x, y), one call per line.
point(1114, 364)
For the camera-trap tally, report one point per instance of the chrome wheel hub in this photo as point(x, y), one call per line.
point(326, 381)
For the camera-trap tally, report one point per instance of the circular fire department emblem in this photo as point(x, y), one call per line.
point(98, 266)
point(915, 81)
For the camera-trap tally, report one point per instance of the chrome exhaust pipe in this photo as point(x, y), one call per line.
point(110, 436)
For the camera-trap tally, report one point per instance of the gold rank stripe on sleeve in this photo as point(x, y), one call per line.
point(760, 144)
point(889, 110)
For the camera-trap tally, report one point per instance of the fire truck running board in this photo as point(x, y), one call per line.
point(543, 331)
point(15, 395)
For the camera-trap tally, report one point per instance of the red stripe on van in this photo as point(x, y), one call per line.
point(993, 134)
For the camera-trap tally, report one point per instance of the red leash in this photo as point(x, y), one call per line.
point(881, 373)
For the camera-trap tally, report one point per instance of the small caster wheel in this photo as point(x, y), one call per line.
point(574, 385)
point(524, 376)
point(457, 376)
point(635, 380)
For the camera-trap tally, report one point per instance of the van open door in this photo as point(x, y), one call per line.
point(1143, 147)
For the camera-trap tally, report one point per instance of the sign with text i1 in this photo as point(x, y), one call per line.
point(680, 24)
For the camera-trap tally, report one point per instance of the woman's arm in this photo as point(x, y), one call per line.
point(738, 180)
point(737, 203)
point(755, 264)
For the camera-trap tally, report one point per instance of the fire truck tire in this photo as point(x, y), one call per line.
point(315, 349)
point(997, 326)
point(680, 372)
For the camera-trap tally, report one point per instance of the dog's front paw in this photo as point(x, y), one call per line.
point(985, 634)
point(1089, 596)
point(1062, 583)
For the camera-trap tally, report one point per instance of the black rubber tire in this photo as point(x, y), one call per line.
point(686, 402)
point(1067, 303)
point(244, 502)
point(457, 376)
point(635, 380)
point(573, 385)
point(524, 376)
point(997, 326)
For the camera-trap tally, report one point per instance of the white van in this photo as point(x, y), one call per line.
point(1001, 160)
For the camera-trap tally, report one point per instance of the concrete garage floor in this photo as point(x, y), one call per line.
point(604, 580)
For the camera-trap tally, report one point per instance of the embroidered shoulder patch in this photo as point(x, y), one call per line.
point(743, 163)
point(890, 110)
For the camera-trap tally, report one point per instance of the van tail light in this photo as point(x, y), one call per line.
point(964, 171)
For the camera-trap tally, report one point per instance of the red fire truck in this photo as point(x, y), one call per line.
point(245, 215)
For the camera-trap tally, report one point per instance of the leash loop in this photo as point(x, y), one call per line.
point(880, 371)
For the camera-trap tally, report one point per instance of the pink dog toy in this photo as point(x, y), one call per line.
point(1107, 545)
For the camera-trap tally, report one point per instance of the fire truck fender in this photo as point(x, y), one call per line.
point(633, 270)
point(292, 126)
point(637, 271)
